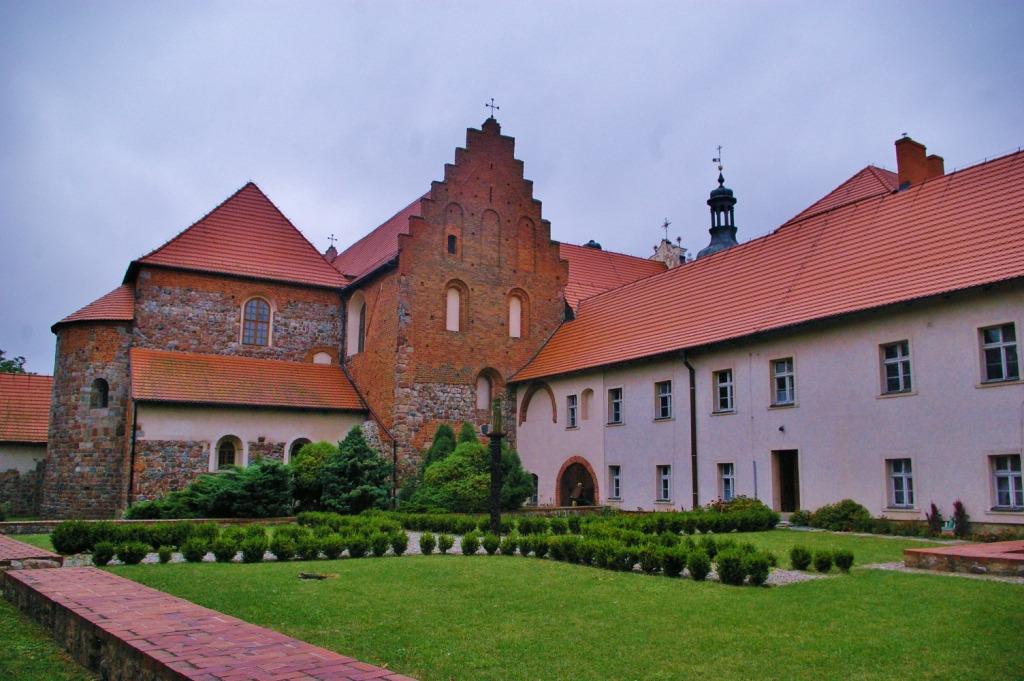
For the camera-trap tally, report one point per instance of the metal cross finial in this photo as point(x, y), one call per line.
point(664, 226)
point(332, 238)
point(492, 106)
point(718, 159)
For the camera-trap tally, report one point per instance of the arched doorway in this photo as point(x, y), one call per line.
point(577, 485)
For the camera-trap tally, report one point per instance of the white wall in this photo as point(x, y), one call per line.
point(841, 425)
point(20, 457)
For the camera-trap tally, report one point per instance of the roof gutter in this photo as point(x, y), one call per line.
point(693, 429)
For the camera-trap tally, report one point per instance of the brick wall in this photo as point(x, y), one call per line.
point(86, 462)
point(162, 466)
point(266, 450)
point(194, 312)
point(22, 492)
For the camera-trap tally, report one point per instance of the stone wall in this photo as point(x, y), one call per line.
point(22, 492)
point(194, 312)
point(87, 457)
point(266, 450)
point(163, 466)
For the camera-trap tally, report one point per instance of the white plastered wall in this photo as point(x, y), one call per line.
point(20, 457)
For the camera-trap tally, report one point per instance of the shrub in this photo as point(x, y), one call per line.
point(800, 518)
point(586, 550)
point(164, 553)
point(822, 561)
point(650, 559)
point(132, 553)
point(574, 523)
point(844, 559)
point(709, 546)
point(253, 547)
point(195, 549)
point(526, 544)
point(799, 558)
point(532, 525)
point(470, 544)
point(934, 521)
point(72, 536)
point(332, 546)
point(699, 565)
point(541, 545)
point(357, 546)
point(559, 526)
point(461, 481)
point(308, 547)
point(843, 516)
point(355, 478)
point(282, 545)
point(673, 560)
point(399, 542)
point(204, 531)
point(756, 566)
point(961, 521)
point(307, 473)
point(467, 433)
point(490, 543)
point(731, 568)
point(103, 553)
point(225, 548)
point(427, 543)
point(379, 544)
point(508, 544)
point(445, 542)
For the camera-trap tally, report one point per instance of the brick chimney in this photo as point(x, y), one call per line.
point(913, 165)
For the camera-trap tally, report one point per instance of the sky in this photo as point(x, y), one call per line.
point(123, 123)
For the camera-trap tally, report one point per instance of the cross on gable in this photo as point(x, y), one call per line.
point(492, 106)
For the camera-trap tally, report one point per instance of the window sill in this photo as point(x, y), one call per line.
point(572, 427)
point(787, 405)
point(896, 393)
point(614, 499)
point(663, 502)
point(615, 424)
point(996, 384)
point(903, 509)
point(663, 419)
point(1006, 510)
point(724, 412)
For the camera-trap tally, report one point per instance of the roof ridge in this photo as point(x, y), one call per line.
point(370, 233)
point(604, 250)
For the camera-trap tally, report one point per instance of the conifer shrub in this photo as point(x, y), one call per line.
point(164, 553)
point(332, 546)
point(800, 518)
point(586, 549)
point(308, 547)
point(731, 568)
point(756, 566)
point(427, 543)
point(559, 526)
point(843, 516)
point(532, 525)
point(541, 545)
point(799, 558)
point(526, 543)
point(470, 544)
point(379, 544)
point(71, 537)
point(490, 543)
point(823, 561)
point(445, 542)
point(508, 544)
point(358, 545)
point(282, 545)
point(355, 478)
point(961, 521)
point(843, 559)
point(673, 560)
point(253, 547)
point(698, 564)
point(708, 545)
point(622, 558)
point(307, 473)
point(650, 559)
point(132, 552)
point(935, 521)
point(103, 553)
point(225, 547)
point(399, 542)
point(574, 523)
point(195, 549)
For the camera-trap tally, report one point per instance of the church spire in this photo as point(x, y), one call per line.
point(723, 226)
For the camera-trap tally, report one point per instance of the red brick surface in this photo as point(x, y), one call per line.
point(171, 638)
point(12, 549)
point(998, 558)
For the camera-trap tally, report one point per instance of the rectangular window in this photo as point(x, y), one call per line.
point(615, 405)
point(727, 480)
point(663, 400)
point(723, 390)
point(896, 367)
point(571, 411)
point(783, 381)
point(901, 483)
point(664, 483)
point(999, 352)
point(613, 482)
point(1009, 487)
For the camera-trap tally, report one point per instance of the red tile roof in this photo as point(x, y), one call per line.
point(942, 235)
point(163, 376)
point(871, 181)
point(593, 271)
point(118, 305)
point(247, 236)
point(378, 246)
point(24, 407)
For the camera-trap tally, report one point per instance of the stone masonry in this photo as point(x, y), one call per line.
point(22, 492)
point(162, 466)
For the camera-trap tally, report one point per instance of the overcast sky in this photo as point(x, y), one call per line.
point(122, 123)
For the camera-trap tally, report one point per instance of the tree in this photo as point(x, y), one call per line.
point(460, 483)
point(307, 473)
point(14, 365)
point(467, 433)
point(442, 445)
point(355, 478)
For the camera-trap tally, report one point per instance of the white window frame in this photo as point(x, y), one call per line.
point(664, 473)
point(572, 411)
point(615, 406)
point(615, 482)
point(1008, 467)
point(723, 380)
point(663, 400)
point(1006, 350)
point(727, 480)
point(788, 376)
point(899, 365)
point(900, 483)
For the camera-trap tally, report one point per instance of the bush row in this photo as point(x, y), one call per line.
point(801, 558)
point(77, 536)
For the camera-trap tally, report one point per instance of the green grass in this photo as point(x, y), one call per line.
point(40, 540)
point(28, 653)
point(445, 617)
point(875, 549)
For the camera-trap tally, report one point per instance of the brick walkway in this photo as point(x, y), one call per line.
point(13, 553)
point(130, 631)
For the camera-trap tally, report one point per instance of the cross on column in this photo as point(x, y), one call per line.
point(718, 159)
point(332, 238)
point(665, 227)
point(492, 106)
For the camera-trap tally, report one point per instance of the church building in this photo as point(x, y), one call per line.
point(866, 348)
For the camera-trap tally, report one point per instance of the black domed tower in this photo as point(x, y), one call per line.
point(723, 226)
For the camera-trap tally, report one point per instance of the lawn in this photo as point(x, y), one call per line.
point(40, 540)
point(457, 617)
point(873, 549)
point(28, 653)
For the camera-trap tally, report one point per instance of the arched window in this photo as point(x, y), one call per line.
point(322, 358)
point(256, 322)
point(515, 316)
point(229, 452)
point(361, 339)
point(99, 394)
point(453, 244)
point(484, 389)
point(453, 308)
point(293, 451)
point(355, 324)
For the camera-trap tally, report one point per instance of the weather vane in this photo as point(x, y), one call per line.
point(492, 106)
point(664, 226)
point(718, 159)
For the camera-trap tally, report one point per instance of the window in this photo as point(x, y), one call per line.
point(535, 495)
point(999, 348)
point(355, 324)
point(483, 392)
point(515, 316)
point(726, 481)
point(99, 394)
point(322, 358)
point(296, 447)
point(664, 483)
point(901, 483)
point(723, 390)
point(615, 406)
point(227, 452)
point(614, 482)
point(1009, 487)
point(663, 400)
point(361, 337)
point(453, 309)
point(896, 367)
point(453, 244)
point(256, 322)
point(571, 411)
point(784, 384)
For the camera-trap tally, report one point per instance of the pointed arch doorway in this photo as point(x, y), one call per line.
point(577, 484)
